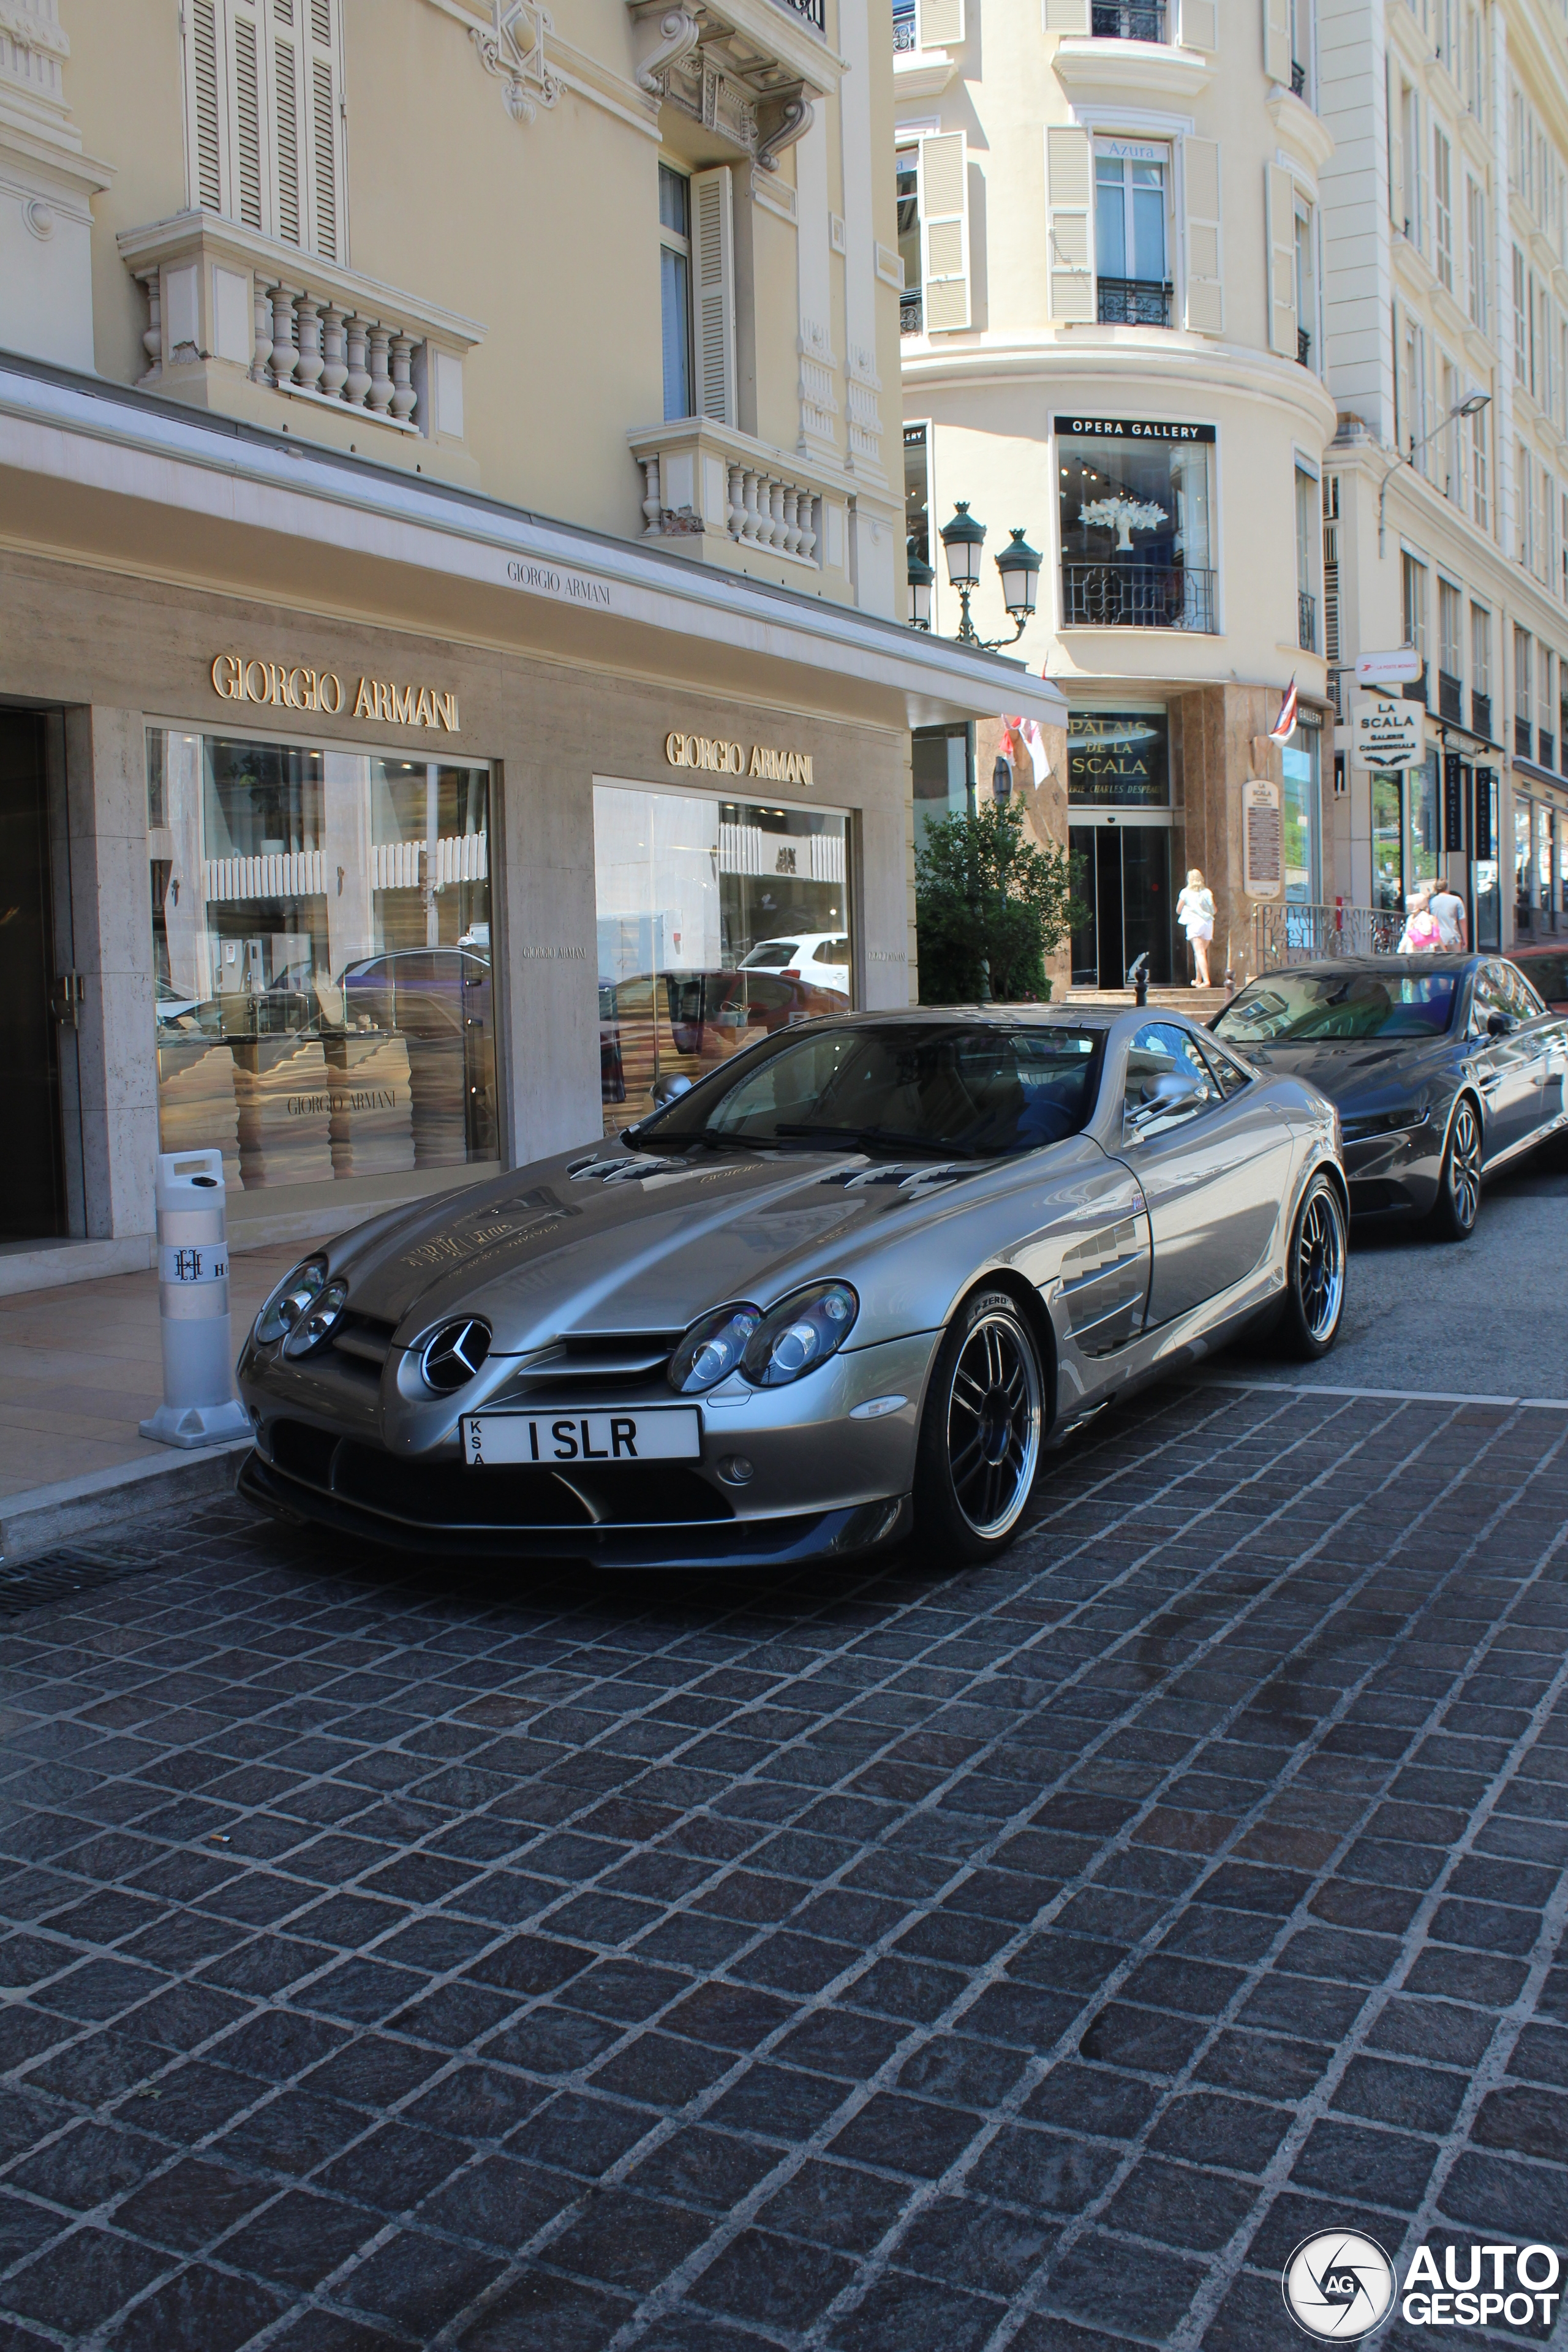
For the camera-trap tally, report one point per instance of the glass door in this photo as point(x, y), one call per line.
point(38, 1195)
point(1121, 878)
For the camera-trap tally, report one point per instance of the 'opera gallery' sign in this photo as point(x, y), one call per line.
point(237, 678)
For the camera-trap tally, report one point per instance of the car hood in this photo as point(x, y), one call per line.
point(561, 1246)
point(1346, 1072)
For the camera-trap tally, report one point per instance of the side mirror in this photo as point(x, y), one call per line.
point(1501, 1025)
point(1170, 1094)
point(667, 1090)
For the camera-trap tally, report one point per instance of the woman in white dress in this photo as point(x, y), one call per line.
point(1194, 912)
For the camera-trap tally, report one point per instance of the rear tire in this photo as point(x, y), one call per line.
point(980, 1433)
point(1315, 1274)
point(1458, 1202)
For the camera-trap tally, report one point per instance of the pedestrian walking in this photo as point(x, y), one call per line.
point(1421, 934)
point(1447, 911)
point(1194, 912)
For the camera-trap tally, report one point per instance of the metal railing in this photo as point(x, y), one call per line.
point(911, 312)
point(1137, 596)
point(1303, 347)
point(1305, 622)
point(1482, 715)
point(1450, 698)
point(1546, 747)
point(1522, 743)
point(1134, 302)
point(1128, 20)
point(814, 11)
point(1298, 931)
point(905, 34)
point(1297, 78)
point(1414, 690)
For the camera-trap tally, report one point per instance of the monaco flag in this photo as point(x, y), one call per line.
point(1024, 748)
point(1284, 727)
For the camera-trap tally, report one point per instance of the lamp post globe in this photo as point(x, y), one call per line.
point(1020, 568)
point(962, 540)
point(922, 580)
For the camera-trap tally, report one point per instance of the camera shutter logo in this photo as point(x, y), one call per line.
point(1337, 2285)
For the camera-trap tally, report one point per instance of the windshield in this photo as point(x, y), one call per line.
point(771, 953)
point(1548, 975)
point(1294, 1008)
point(914, 1087)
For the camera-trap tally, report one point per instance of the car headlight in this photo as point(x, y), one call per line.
point(289, 1300)
point(319, 1321)
point(713, 1348)
point(800, 1333)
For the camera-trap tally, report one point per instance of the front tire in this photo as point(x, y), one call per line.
point(1458, 1202)
point(981, 1432)
point(1315, 1274)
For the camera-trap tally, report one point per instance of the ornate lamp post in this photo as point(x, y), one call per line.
point(1018, 564)
point(922, 580)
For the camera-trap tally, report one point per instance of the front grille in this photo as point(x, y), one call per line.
point(303, 1452)
point(447, 1493)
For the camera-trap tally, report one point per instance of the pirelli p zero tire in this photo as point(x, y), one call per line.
point(1458, 1200)
point(1315, 1274)
point(980, 1437)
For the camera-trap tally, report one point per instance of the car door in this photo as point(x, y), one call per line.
point(1544, 1031)
point(1506, 1064)
point(1212, 1168)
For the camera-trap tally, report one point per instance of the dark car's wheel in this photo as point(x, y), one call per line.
point(980, 1437)
point(1315, 1276)
point(1458, 1202)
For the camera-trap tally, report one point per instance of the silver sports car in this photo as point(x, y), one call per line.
point(848, 1287)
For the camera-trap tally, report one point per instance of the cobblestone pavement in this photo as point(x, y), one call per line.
point(893, 1962)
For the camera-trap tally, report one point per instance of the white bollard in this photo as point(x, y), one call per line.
point(199, 1406)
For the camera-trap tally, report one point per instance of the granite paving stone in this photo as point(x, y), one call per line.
point(894, 1958)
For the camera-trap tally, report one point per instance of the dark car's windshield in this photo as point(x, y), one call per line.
point(909, 1086)
point(1548, 975)
point(1295, 1008)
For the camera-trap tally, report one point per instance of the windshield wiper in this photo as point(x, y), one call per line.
point(879, 1138)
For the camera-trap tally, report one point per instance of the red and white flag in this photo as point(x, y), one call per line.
point(1284, 727)
point(1024, 748)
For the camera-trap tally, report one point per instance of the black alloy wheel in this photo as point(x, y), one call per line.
point(1315, 1274)
point(1458, 1202)
point(980, 1437)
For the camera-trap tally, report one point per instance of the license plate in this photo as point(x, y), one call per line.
point(667, 1433)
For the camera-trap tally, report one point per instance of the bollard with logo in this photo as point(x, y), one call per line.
point(199, 1405)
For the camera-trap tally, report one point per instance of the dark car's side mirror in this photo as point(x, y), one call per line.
point(666, 1089)
point(1501, 1025)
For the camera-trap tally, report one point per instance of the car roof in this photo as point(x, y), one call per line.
point(1431, 961)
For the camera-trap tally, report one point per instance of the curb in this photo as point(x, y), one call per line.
point(45, 1517)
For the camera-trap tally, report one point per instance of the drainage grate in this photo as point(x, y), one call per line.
point(57, 1575)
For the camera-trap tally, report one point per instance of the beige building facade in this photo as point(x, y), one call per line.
point(1111, 225)
point(453, 669)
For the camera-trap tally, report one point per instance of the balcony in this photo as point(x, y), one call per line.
point(1303, 347)
point(239, 323)
point(1137, 596)
point(1522, 740)
point(747, 72)
point(1415, 689)
point(706, 488)
point(906, 35)
point(1305, 622)
point(1128, 20)
point(1297, 78)
point(1134, 302)
point(911, 312)
point(1481, 716)
point(1450, 698)
point(810, 11)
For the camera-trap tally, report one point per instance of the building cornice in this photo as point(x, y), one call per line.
point(1155, 362)
point(1304, 134)
point(97, 444)
point(1113, 71)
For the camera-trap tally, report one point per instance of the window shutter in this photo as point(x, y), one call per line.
point(1067, 16)
point(1280, 207)
point(941, 23)
point(203, 78)
point(713, 275)
point(944, 230)
point(245, 196)
point(1200, 25)
point(323, 103)
point(1277, 40)
point(1069, 198)
point(1205, 304)
point(289, 221)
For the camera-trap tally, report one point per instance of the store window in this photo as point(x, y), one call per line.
point(1423, 846)
point(1387, 844)
point(675, 288)
point(1135, 501)
point(322, 946)
point(1299, 763)
point(1131, 238)
point(942, 760)
point(1523, 828)
point(716, 921)
point(1545, 863)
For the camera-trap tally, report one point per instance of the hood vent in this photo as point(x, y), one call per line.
point(628, 1170)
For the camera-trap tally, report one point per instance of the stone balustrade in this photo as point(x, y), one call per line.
point(703, 481)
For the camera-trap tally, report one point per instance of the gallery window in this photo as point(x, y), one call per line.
point(1136, 498)
point(1132, 234)
point(322, 954)
point(717, 920)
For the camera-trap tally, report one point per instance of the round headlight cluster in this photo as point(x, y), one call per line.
point(769, 1350)
point(289, 1300)
point(712, 1349)
point(319, 1321)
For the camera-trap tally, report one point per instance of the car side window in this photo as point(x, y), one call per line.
point(1167, 1081)
point(1488, 997)
point(1522, 999)
point(1229, 1074)
point(831, 951)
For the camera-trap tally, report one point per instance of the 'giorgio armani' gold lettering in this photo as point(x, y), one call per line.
point(241, 678)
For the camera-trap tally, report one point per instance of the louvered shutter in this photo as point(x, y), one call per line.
point(286, 94)
point(1203, 313)
point(713, 277)
point(1069, 201)
point(247, 195)
point(323, 116)
point(1200, 25)
point(206, 75)
point(1067, 16)
point(1277, 40)
point(941, 23)
point(1280, 209)
point(944, 230)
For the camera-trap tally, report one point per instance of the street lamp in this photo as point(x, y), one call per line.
point(1018, 564)
point(1472, 405)
point(922, 580)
